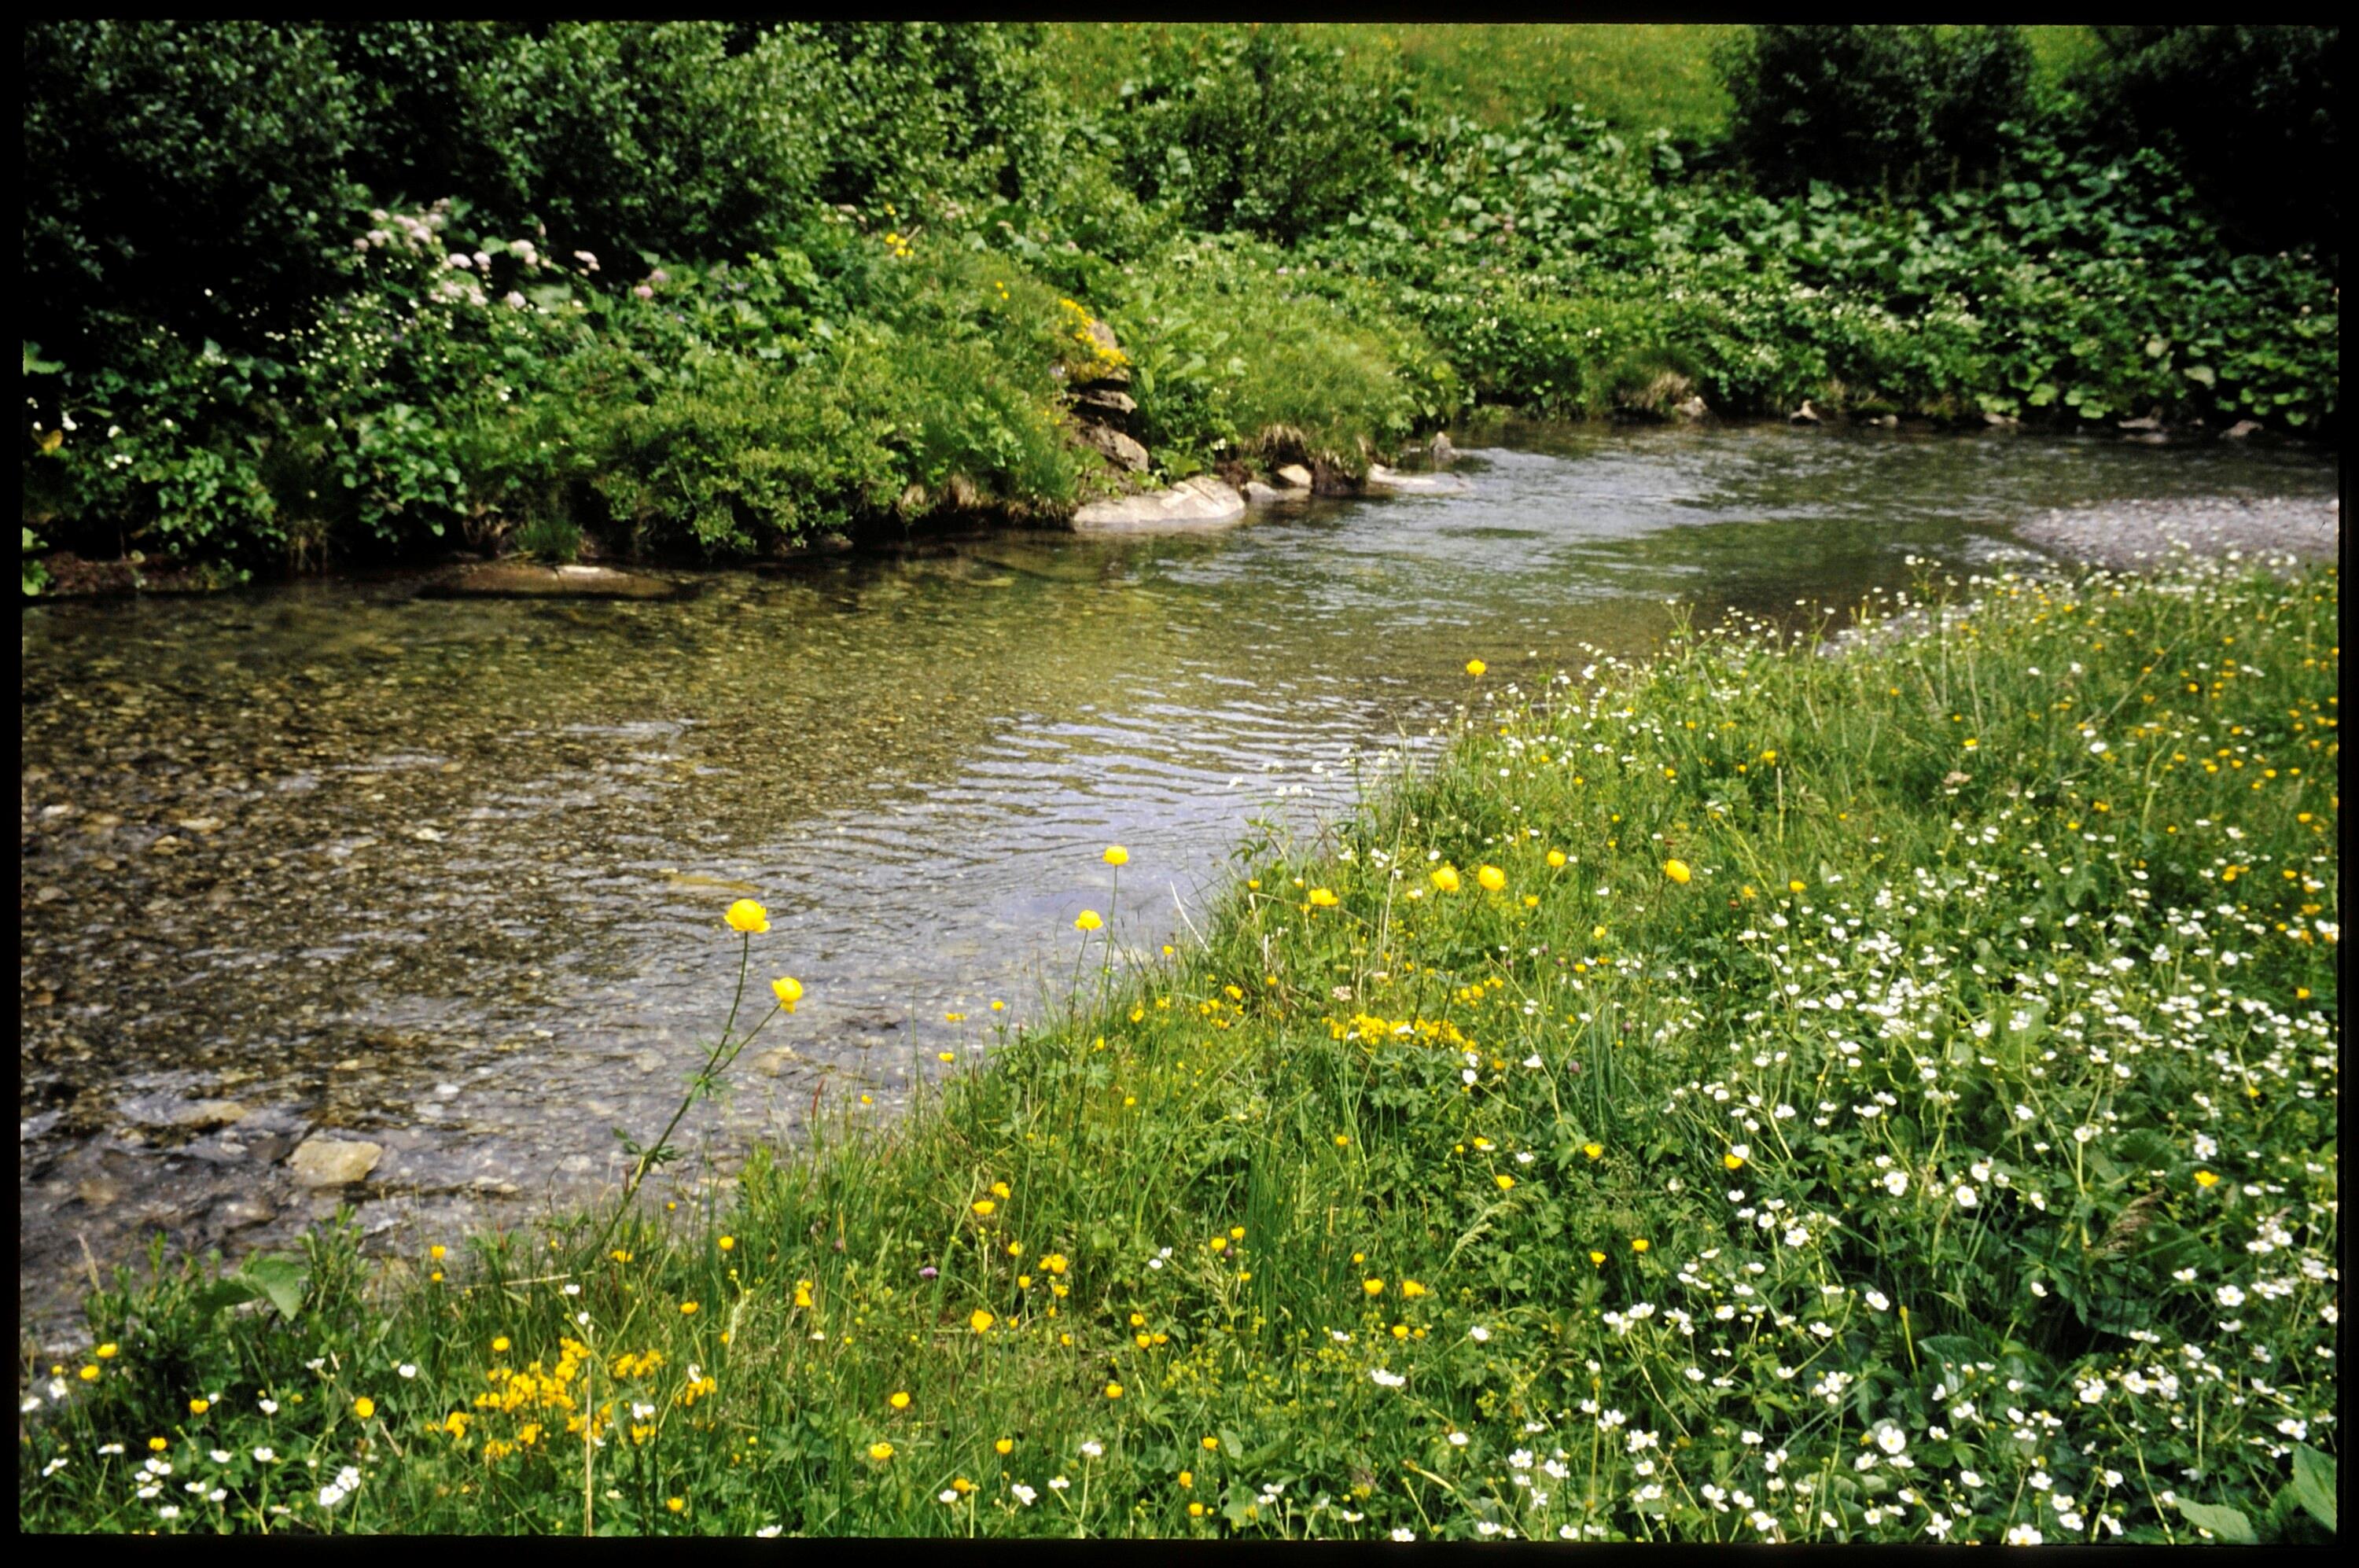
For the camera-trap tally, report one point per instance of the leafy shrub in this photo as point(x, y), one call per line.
point(2249, 112)
point(1901, 106)
point(1253, 128)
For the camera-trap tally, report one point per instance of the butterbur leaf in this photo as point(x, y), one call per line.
point(2225, 1523)
point(2314, 1483)
point(283, 1280)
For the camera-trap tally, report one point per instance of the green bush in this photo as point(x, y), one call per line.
point(2249, 112)
point(1896, 106)
point(1253, 128)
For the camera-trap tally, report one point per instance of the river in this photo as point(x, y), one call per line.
point(447, 877)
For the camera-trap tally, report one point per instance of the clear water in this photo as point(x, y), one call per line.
point(456, 873)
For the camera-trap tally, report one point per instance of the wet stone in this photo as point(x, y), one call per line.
point(331, 1162)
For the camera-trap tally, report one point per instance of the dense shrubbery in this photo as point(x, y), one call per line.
point(1905, 106)
point(710, 297)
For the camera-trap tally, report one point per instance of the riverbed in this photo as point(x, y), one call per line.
point(329, 859)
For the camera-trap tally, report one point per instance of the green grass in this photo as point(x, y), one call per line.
point(1925, 1054)
point(1636, 76)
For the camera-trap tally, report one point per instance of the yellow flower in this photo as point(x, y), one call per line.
point(1638, 1244)
point(1088, 921)
point(1116, 856)
point(1054, 1263)
point(2206, 1178)
point(1598, 1258)
point(1475, 667)
point(1770, 754)
point(1733, 1159)
point(1446, 878)
point(438, 1252)
point(198, 1407)
point(1114, 1390)
point(158, 1444)
point(676, 1504)
point(1595, 1150)
point(1797, 886)
point(107, 1352)
point(1373, 1286)
point(1555, 858)
point(365, 1407)
point(1195, 1510)
point(1492, 878)
point(899, 1400)
point(728, 1244)
point(749, 917)
point(985, 1207)
point(1676, 870)
point(1005, 1446)
point(1210, 1444)
point(89, 1373)
point(1412, 1289)
point(499, 1344)
point(1324, 898)
point(880, 1452)
point(1505, 1182)
point(980, 1321)
point(1001, 1190)
point(687, 1309)
point(788, 990)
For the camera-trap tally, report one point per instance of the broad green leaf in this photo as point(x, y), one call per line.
point(283, 1280)
point(2225, 1523)
point(2314, 1483)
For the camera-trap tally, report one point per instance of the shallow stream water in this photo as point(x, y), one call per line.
point(448, 875)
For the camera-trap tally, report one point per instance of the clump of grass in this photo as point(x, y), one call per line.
point(1747, 1095)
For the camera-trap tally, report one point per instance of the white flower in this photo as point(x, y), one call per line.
point(406, 1369)
point(1092, 1448)
point(1057, 1482)
point(169, 1511)
point(266, 1455)
point(1478, 1333)
point(947, 1495)
point(1896, 1182)
point(767, 1533)
point(2230, 1296)
point(1890, 1438)
point(1387, 1380)
point(1969, 1479)
point(1023, 1492)
point(2023, 1535)
point(1877, 1300)
point(331, 1495)
point(1967, 1197)
point(1406, 1534)
point(1458, 1439)
point(219, 1456)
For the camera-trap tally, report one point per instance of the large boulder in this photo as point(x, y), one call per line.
point(1118, 447)
point(530, 580)
point(1201, 503)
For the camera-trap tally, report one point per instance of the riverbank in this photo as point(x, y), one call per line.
point(1264, 253)
point(1650, 1122)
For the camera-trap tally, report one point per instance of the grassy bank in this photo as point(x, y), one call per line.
point(1748, 1095)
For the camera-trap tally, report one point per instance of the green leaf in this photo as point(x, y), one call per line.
point(2314, 1483)
point(283, 1280)
point(2201, 374)
point(2225, 1523)
point(35, 365)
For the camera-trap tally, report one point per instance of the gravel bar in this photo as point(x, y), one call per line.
point(2127, 535)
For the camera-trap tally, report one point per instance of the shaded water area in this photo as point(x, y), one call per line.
point(448, 875)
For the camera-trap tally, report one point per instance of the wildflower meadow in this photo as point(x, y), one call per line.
point(1876, 1081)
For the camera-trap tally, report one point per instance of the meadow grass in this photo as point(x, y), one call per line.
point(1747, 1095)
point(1637, 77)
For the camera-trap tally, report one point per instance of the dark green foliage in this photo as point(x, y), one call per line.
point(1253, 128)
point(1906, 107)
point(2249, 112)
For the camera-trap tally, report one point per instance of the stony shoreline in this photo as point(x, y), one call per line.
point(2131, 535)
